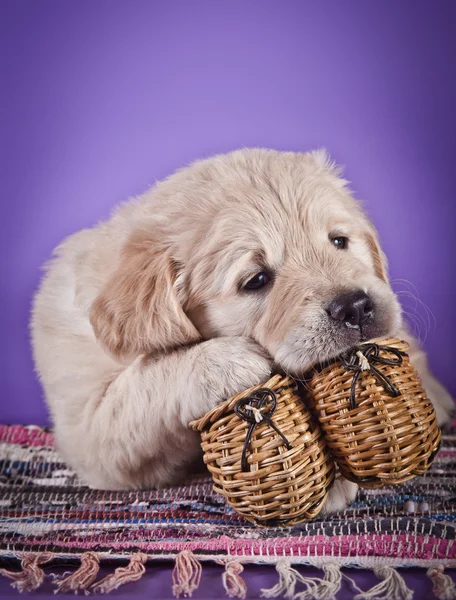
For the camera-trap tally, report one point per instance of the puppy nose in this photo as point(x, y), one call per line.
point(352, 308)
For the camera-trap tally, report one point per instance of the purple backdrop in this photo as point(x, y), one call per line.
point(103, 98)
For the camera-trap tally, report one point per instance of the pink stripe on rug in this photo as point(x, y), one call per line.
point(403, 546)
point(29, 435)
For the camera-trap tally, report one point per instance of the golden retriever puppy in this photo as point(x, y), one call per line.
point(191, 293)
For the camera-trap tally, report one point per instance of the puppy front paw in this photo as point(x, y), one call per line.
point(441, 399)
point(341, 494)
point(224, 367)
point(443, 413)
point(239, 364)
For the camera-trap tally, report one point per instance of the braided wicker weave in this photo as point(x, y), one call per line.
point(383, 440)
point(245, 443)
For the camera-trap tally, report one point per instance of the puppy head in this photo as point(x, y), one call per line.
point(256, 243)
point(291, 261)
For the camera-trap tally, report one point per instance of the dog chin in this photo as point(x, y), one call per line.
point(301, 352)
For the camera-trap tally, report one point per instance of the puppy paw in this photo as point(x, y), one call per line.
point(342, 493)
point(441, 399)
point(226, 366)
point(443, 413)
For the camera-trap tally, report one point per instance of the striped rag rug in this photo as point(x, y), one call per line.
point(47, 516)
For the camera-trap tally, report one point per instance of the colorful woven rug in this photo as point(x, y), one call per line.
point(47, 516)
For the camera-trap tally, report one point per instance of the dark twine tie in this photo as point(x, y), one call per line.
point(255, 409)
point(364, 358)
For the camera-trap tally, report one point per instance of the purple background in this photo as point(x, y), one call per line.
point(101, 98)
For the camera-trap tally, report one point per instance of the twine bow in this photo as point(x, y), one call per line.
point(255, 409)
point(364, 358)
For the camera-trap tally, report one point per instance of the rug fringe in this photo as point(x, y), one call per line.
point(234, 584)
point(31, 576)
point(131, 572)
point(82, 578)
point(331, 583)
point(324, 588)
point(393, 586)
point(186, 574)
point(188, 570)
point(443, 586)
point(287, 581)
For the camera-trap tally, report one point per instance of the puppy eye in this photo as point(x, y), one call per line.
point(340, 242)
point(259, 281)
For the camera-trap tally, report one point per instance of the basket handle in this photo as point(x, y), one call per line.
point(364, 358)
point(249, 409)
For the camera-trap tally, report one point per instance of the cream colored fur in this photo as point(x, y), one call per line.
point(140, 324)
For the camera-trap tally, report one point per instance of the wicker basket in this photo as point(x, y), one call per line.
point(267, 454)
point(378, 423)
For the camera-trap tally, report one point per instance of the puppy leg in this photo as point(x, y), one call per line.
point(136, 434)
point(440, 397)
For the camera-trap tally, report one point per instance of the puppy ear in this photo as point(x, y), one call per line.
point(378, 256)
point(137, 311)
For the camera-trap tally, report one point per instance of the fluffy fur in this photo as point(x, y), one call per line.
point(142, 324)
